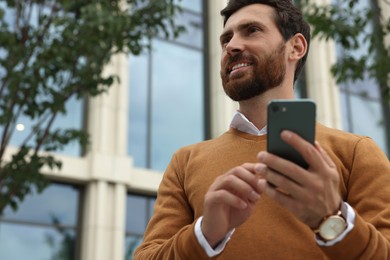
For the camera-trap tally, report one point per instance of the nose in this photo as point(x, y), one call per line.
point(234, 46)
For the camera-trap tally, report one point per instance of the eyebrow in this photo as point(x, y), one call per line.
point(241, 27)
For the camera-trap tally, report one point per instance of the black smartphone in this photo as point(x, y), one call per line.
point(296, 115)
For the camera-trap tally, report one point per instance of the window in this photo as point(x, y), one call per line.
point(193, 5)
point(363, 113)
point(45, 226)
point(72, 120)
point(75, 108)
point(300, 87)
point(167, 89)
point(363, 110)
point(139, 210)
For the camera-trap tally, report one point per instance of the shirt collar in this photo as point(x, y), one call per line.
point(241, 123)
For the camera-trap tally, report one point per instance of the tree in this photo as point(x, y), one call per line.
point(355, 28)
point(361, 29)
point(65, 248)
point(51, 52)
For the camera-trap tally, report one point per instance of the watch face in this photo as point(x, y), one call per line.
point(332, 227)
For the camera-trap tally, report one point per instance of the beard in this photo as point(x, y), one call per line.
point(268, 72)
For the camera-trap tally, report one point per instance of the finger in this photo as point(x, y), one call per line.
point(223, 197)
point(307, 150)
point(282, 166)
point(324, 155)
point(284, 184)
point(239, 182)
point(276, 193)
point(294, 205)
point(247, 173)
point(251, 167)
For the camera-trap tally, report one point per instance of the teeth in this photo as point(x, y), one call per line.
point(239, 65)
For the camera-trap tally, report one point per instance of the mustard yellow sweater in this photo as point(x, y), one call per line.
point(271, 232)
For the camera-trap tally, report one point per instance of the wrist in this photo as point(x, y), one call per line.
point(332, 226)
point(211, 252)
point(213, 241)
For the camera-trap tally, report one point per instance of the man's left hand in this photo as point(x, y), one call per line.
point(310, 194)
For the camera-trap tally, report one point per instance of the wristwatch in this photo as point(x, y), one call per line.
point(331, 227)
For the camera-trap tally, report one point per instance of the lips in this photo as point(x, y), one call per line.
point(237, 66)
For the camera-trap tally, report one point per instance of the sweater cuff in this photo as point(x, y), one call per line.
point(205, 245)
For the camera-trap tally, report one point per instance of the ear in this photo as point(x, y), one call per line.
point(298, 46)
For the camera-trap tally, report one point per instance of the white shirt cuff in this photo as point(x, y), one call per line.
point(350, 218)
point(205, 245)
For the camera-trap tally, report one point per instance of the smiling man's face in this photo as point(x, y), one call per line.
point(253, 53)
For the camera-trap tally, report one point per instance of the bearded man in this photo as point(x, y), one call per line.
point(218, 198)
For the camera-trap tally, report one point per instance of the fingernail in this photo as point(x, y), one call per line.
point(260, 184)
point(261, 156)
point(286, 134)
point(259, 168)
point(254, 196)
point(243, 205)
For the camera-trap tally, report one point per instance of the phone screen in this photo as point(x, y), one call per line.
point(298, 116)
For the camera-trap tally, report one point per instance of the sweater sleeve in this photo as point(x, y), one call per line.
point(368, 193)
point(170, 232)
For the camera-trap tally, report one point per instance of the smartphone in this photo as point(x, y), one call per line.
point(296, 115)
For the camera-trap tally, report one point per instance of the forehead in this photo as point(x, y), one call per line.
point(263, 14)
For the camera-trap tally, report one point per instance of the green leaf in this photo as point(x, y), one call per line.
point(57, 54)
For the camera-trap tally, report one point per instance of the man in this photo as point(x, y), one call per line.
point(218, 197)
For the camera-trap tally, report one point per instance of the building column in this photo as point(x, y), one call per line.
point(321, 86)
point(108, 168)
point(103, 230)
point(221, 107)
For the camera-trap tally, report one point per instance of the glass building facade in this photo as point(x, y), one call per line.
point(44, 227)
point(73, 119)
point(166, 93)
point(136, 223)
point(363, 109)
point(98, 205)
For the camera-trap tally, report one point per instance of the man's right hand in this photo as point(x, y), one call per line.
point(229, 202)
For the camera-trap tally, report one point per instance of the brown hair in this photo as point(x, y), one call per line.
point(288, 19)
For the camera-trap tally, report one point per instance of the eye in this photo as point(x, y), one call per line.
point(253, 29)
point(224, 41)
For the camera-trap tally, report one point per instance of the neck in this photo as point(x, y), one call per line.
point(255, 109)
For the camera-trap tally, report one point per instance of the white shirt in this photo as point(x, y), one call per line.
point(241, 123)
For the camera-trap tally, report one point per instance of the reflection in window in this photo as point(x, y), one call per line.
point(193, 22)
point(139, 210)
point(364, 116)
point(166, 94)
point(177, 111)
point(44, 226)
point(300, 90)
point(362, 108)
point(73, 119)
point(193, 5)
